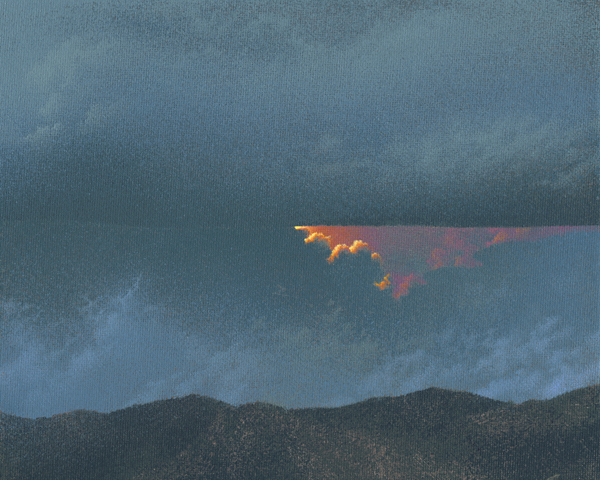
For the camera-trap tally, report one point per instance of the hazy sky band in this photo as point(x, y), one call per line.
point(406, 253)
point(458, 114)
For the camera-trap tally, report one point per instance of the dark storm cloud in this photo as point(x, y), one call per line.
point(464, 114)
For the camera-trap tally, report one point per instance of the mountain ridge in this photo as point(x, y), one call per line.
point(433, 433)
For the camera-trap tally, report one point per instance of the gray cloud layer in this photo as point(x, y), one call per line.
point(101, 317)
point(463, 113)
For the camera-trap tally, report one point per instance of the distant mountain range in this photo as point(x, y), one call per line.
point(433, 434)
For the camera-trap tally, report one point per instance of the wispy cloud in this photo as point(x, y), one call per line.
point(540, 364)
point(124, 350)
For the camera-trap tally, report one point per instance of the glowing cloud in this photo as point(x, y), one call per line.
point(407, 253)
point(354, 248)
point(315, 236)
point(384, 283)
point(402, 283)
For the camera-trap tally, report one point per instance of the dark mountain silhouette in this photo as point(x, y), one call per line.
point(433, 433)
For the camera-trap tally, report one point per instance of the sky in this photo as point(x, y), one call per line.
point(157, 157)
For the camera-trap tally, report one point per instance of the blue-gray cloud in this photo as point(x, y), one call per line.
point(132, 356)
point(310, 112)
point(541, 364)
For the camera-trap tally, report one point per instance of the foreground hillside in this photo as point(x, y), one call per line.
point(429, 434)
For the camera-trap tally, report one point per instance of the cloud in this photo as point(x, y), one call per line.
point(476, 148)
point(356, 246)
point(99, 362)
point(407, 253)
point(121, 352)
point(541, 364)
point(313, 236)
point(99, 116)
point(45, 134)
point(538, 365)
point(124, 351)
point(403, 283)
point(373, 113)
point(72, 79)
point(385, 283)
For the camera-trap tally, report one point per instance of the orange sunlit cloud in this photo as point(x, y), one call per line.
point(315, 236)
point(385, 283)
point(342, 247)
point(403, 283)
point(407, 253)
point(376, 256)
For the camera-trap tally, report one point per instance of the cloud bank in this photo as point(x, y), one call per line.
point(132, 356)
point(301, 113)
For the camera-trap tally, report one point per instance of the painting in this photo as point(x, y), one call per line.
point(307, 204)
